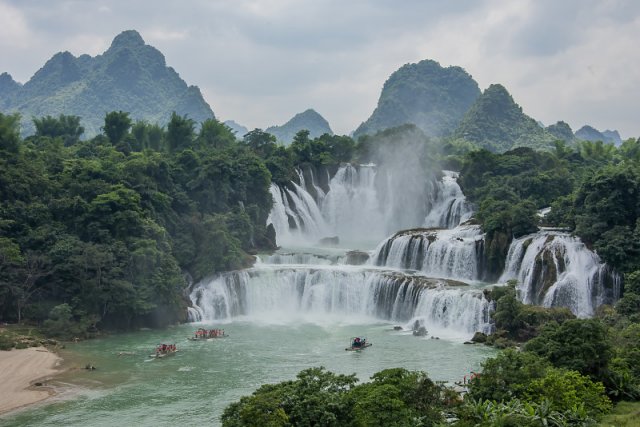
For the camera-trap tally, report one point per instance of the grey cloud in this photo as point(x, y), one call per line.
point(261, 61)
point(550, 27)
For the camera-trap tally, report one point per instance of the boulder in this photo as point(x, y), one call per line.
point(329, 241)
point(479, 337)
point(357, 257)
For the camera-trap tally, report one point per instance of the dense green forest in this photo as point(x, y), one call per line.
point(108, 232)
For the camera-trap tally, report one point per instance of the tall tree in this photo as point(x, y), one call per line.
point(214, 134)
point(66, 127)
point(9, 132)
point(180, 132)
point(116, 126)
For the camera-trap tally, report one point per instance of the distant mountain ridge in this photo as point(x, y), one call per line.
point(497, 123)
point(447, 103)
point(130, 76)
point(588, 133)
point(308, 119)
point(425, 94)
point(236, 128)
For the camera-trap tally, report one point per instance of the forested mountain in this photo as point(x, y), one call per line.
point(307, 120)
point(424, 94)
point(588, 133)
point(130, 76)
point(497, 123)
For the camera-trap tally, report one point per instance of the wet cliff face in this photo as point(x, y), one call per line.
point(495, 252)
point(555, 269)
point(454, 253)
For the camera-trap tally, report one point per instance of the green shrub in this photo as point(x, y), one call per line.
point(507, 376)
point(568, 389)
point(6, 343)
point(61, 323)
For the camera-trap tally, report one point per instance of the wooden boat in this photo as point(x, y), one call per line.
point(357, 344)
point(161, 353)
point(203, 334)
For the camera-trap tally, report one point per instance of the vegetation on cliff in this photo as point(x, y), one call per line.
point(495, 122)
point(425, 94)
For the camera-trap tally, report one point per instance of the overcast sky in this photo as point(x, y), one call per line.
point(259, 62)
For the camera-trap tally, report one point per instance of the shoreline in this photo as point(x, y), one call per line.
point(24, 375)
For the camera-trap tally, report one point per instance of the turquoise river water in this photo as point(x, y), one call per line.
point(194, 386)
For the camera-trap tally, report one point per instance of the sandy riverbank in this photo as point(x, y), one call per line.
point(19, 370)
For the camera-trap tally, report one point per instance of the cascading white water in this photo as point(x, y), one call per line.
point(556, 269)
point(450, 207)
point(297, 258)
point(439, 253)
point(273, 294)
point(351, 207)
point(364, 203)
point(409, 277)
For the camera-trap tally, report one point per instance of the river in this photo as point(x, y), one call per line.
point(194, 386)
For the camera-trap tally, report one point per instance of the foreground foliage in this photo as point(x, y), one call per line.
point(397, 397)
point(394, 397)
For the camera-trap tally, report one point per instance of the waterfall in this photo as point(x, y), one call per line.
point(302, 258)
point(451, 254)
point(351, 206)
point(295, 215)
point(556, 269)
point(364, 202)
point(273, 293)
point(450, 207)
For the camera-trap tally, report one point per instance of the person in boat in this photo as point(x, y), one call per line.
point(356, 342)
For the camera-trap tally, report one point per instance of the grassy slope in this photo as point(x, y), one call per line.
point(625, 414)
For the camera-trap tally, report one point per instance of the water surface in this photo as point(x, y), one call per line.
point(194, 386)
